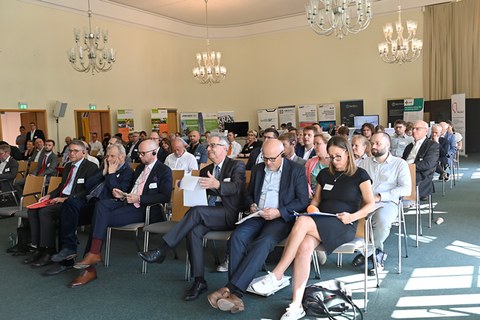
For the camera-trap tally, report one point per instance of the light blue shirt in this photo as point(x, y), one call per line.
point(271, 188)
point(399, 143)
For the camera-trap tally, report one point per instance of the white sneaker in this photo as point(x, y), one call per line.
point(293, 313)
point(223, 267)
point(268, 284)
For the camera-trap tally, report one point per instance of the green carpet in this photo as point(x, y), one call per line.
point(440, 278)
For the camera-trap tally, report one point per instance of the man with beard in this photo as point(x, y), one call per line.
point(391, 180)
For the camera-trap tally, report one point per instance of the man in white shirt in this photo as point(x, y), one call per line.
point(400, 139)
point(180, 159)
point(95, 145)
point(391, 180)
point(39, 144)
point(234, 148)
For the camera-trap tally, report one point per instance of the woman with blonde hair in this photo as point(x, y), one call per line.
point(361, 148)
point(251, 144)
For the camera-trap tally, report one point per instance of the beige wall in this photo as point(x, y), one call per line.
point(154, 69)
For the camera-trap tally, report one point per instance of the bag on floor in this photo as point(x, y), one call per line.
point(330, 303)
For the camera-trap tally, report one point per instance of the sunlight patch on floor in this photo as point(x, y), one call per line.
point(465, 248)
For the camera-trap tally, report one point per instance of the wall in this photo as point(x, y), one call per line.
point(154, 69)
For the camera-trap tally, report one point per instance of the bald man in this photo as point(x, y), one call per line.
point(424, 153)
point(198, 150)
point(278, 187)
point(180, 159)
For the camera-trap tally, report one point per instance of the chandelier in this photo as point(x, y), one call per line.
point(209, 69)
point(401, 49)
point(93, 54)
point(340, 17)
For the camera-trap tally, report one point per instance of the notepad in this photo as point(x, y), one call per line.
point(40, 205)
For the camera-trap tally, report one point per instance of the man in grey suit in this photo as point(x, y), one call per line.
point(224, 180)
point(8, 168)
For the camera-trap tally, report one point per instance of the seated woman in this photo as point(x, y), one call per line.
point(361, 148)
point(320, 161)
point(166, 145)
point(342, 189)
point(251, 144)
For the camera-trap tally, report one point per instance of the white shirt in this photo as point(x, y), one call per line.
point(97, 146)
point(68, 188)
point(307, 153)
point(186, 162)
point(3, 164)
point(236, 149)
point(413, 153)
point(94, 160)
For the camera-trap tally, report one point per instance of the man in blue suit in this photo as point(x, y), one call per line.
point(278, 187)
point(114, 173)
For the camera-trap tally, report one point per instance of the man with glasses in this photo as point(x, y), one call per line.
point(180, 159)
point(8, 168)
point(256, 154)
point(424, 153)
point(198, 150)
point(278, 187)
point(161, 154)
point(152, 184)
point(224, 180)
point(400, 140)
point(44, 221)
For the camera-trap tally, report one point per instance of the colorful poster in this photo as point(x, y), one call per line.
point(287, 116)
point(125, 122)
point(188, 122)
point(413, 109)
point(267, 118)
point(348, 110)
point(458, 117)
point(307, 114)
point(159, 120)
point(326, 112)
point(223, 117)
point(210, 122)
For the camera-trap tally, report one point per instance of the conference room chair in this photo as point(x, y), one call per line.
point(32, 191)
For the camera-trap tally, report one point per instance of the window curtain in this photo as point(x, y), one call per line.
point(451, 56)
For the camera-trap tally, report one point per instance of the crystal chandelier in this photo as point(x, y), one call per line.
point(340, 17)
point(401, 49)
point(93, 55)
point(209, 69)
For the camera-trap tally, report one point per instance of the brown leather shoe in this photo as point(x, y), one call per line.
point(217, 295)
point(233, 304)
point(89, 260)
point(85, 277)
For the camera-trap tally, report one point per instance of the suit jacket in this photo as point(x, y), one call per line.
point(134, 155)
point(51, 165)
point(122, 179)
point(86, 170)
point(232, 185)
point(293, 191)
point(9, 173)
point(252, 159)
point(300, 151)
point(426, 162)
point(37, 134)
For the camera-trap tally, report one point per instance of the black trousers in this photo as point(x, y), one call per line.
point(43, 225)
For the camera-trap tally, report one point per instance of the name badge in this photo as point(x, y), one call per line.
point(80, 180)
point(7, 170)
point(328, 187)
point(48, 165)
point(197, 157)
point(227, 179)
point(152, 185)
point(118, 175)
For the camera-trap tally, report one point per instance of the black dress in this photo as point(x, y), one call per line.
point(344, 196)
point(248, 148)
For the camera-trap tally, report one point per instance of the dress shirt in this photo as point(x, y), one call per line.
point(185, 162)
point(413, 153)
point(97, 145)
point(3, 164)
point(37, 155)
point(399, 143)
point(306, 155)
point(140, 176)
point(68, 188)
point(269, 197)
point(236, 149)
point(391, 178)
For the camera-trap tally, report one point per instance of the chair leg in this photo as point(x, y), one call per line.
point(430, 211)
point(215, 253)
point(107, 247)
point(187, 267)
point(146, 236)
point(316, 265)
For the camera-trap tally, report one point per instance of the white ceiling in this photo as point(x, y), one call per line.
point(227, 18)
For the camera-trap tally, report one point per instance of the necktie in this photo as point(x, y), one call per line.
point(213, 198)
point(141, 185)
point(44, 165)
point(229, 152)
point(69, 177)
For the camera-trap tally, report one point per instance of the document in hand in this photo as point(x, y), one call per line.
point(314, 214)
point(193, 194)
point(250, 216)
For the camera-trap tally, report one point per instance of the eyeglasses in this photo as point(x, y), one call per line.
point(143, 153)
point(268, 137)
point(74, 150)
point(213, 145)
point(338, 157)
point(419, 128)
point(266, 159)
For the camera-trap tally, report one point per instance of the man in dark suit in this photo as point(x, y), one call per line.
point(277, 188)
point(224, 180)
point(34, 133)
point(153, 184)
point(306, 151)
point(424, 153)
point(43, 221)
point(256, 154)
point(8, 168)
point(114, 173)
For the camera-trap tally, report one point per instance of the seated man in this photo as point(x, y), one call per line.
point(115, 173)
point(289, 141)
point(224, 180)
point(424, 153)
point(234, 148)
point(391, 180)
point(198, 150)
point(400, 139)
point(306, 150)
point(277, 188)
point(443, 146)
point(256, 154)
point(43, 221)
point(153, 184)
point(8, 168)
point(180, 159)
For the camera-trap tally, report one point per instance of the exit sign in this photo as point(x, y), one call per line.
point(22, 105)
point(92, 107)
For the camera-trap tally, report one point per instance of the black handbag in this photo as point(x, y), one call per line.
point(330, 303)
